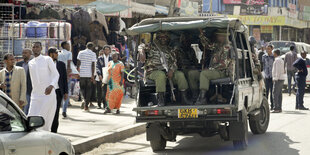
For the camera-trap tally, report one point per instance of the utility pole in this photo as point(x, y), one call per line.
point(171, 8)
point(210, 7)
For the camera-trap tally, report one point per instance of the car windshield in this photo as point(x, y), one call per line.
point(10, 119)
point(283, 46)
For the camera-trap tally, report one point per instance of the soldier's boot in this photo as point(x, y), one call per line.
point(202, 99)
point(161, 99)
point(184, 100)
point(195, 94)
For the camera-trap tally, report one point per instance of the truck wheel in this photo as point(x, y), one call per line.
point(158, 145)
point(243, 143)
point(260, 126)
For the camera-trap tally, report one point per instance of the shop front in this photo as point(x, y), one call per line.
point(268, 28)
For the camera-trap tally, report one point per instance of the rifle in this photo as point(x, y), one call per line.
point(165, 65)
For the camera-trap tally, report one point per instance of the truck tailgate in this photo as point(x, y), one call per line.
point(186, 113)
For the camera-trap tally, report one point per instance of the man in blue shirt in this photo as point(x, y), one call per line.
point(267, 61)
point(301, 75)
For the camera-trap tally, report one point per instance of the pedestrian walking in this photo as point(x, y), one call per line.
point(115, 91)
point(66, 57)
point(62, 91)
point(290, 58)
point(278, 77)
point(44, 76)
point(13, 81)
point(86, 67)
point(27, 56)
point(102, 61)
point(267, 61)
point(300, 77)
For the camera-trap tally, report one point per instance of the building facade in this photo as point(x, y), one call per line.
point(267, 19)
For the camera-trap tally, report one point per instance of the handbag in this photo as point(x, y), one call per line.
point(105, 75)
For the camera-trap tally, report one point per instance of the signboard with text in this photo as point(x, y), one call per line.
point(266, 29)
point(255, 2)
point(256, 33)
point(261, 20)
point(232, 1)
point(44, 1)
point(271, 21)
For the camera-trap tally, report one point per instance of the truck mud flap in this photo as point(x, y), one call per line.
point(154, 131)
point(236, 130)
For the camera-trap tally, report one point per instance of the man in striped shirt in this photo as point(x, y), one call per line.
point(86, 67)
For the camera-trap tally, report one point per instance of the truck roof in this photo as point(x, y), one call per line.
point(182, 23)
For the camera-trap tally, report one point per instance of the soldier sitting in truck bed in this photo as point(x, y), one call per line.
point(220, 63)
point(155, 68)
point(187, 62)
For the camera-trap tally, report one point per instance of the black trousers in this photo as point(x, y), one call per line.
point(86, 89)
point(101, 94)
point(301, 84)
point(55, 123)
point(269, 88)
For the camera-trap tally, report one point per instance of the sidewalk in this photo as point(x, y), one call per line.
point(80, 127)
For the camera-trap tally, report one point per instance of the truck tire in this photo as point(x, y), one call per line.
point(243, 143)
point(260, 126)
point(158, 144)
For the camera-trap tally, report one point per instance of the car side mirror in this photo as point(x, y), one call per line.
point(35, 122)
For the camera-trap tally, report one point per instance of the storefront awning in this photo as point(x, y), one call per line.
point(106, 8)
point(161, 9)
point(143, 9)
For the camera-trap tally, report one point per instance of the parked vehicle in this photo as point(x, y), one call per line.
point(19, 134)
point(284, 47)
point(244, 91)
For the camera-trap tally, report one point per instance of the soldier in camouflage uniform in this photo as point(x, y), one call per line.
point(155, 70)
point(220, 63)
point(188, 63)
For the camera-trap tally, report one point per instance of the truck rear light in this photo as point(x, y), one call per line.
point(308, 66)
point(151, 113)
point(223, 111)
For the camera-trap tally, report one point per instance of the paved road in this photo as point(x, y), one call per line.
point(288, 134)
point(79, 125)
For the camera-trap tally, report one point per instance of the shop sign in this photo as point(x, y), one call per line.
point(256, 34)
point(296, 23)
point(44, 1)
point(260, 20)
point(232, 1)
point(306, 13)
point(255, 2)
point(188, 8)
point(266, 29)
point(292, 11)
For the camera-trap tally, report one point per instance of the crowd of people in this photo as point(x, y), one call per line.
point(274, 69)
point(41, 84)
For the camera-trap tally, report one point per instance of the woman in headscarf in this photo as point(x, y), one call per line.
point(115, 90)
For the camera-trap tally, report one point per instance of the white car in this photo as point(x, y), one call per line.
point(19, 134)
point(308, 68)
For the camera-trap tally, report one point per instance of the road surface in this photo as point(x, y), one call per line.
point(288, 134)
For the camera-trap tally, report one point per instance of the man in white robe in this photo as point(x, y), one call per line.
point(44, 77)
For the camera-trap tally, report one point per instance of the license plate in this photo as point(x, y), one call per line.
point(187, 113)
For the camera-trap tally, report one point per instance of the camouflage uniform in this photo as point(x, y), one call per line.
point(219, 67)
point(155, 70)
point(187, 62)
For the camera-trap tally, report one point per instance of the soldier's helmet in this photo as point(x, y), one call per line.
point(252, 40)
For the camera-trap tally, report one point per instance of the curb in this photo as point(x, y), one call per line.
point(87, 144)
